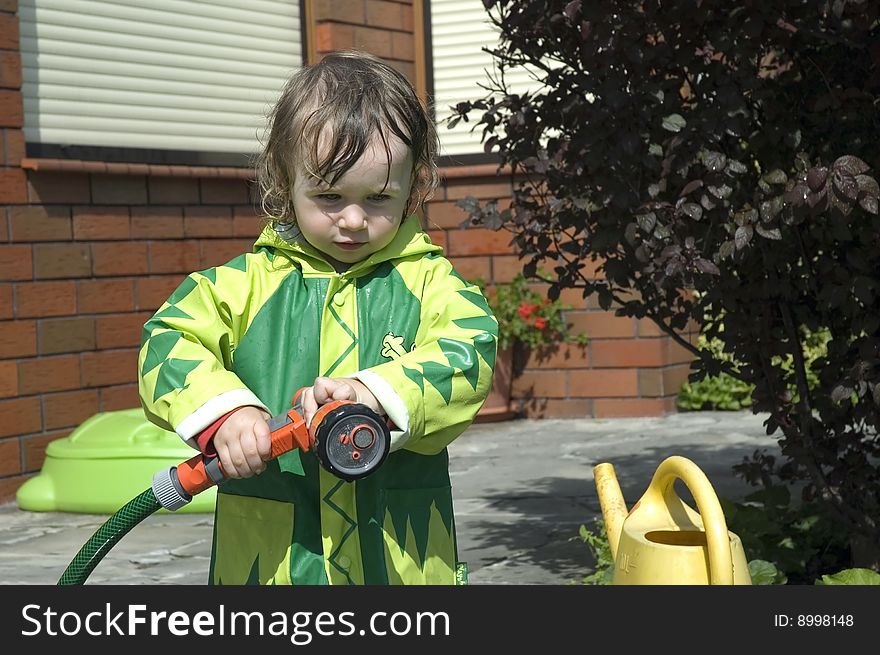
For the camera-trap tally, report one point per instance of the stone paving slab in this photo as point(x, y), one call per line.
point(521, 489)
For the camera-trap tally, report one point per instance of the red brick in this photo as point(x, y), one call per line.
point(561, 356)
point(8, 33)
point(591, 383)
point(650, 382)
point(8, 379)
point(18, 339)
point(384, 14)
point(216, 252)
point(40, 223)
point(36, 299)
point(54, 187)
point(5, 301)
point(48, 374)
point(15, 147)
point(156, 222)
point(600, 325)
point(558, 408)
point(16, 263)
point(151, 292)
point(10, 457)
point(120, 258)
point(10, 70)
point(471, 268)
point(627, 353)
point(374, 41)
point(119, 189)
point(109, 367)
point(120, 330)
point(9, 487)
point(35, 446)
point(403, 46)
point(174, 256)
point(447, 215)
point(20, 416)
point(62, 260)
point(505, 268)
point(246, 222)
point(339, 10)
point(66, 335)
point(648, 328)
point(63, 410)
point(173, 190)
point(13, 186)
point(332, 36)
point(11, 109)
point(629, 407)
point(103, 296)
point(97, 223)
point(482, 189)
point(210, 222)
point(678, 354)
point(542, 384)
point(438, 238)
point(479, 241)
point(219, 191)
point(674, 378)
point(119, 397)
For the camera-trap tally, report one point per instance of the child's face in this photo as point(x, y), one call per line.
point(359, 214)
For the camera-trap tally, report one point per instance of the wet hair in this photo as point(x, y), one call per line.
point(345, 103)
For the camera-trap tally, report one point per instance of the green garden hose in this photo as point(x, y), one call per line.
point(349, 439)
point(107, 536)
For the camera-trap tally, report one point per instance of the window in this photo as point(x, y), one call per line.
point(165, 81)
point(459, 31)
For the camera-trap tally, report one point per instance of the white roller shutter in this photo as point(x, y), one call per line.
point(165, 74)
point(459, 31)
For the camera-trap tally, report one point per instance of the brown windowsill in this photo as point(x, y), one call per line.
point(164, 170)
point(121, 168)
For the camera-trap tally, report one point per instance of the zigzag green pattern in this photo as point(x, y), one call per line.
point(172, 375)
point(462, 356)
point(348, 533)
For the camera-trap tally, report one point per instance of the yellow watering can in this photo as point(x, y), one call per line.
point(662, 540)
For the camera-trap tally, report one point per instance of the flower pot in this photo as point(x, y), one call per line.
point(497, 405)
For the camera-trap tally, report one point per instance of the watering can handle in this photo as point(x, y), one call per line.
point(717, 536)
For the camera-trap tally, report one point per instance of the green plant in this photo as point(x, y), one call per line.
point(527, 317)
point(597, 542)
point(714, 164)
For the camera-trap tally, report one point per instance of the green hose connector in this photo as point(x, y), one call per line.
point(107, 536)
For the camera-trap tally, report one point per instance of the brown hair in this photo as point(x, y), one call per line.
point(349, 98)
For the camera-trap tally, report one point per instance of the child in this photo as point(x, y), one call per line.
point(343, 293)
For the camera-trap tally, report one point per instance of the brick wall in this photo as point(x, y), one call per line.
point(628, 367)
point(88, 250)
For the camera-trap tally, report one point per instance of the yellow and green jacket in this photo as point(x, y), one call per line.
point(253, 331)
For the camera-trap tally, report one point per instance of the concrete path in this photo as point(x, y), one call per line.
point(522, 488)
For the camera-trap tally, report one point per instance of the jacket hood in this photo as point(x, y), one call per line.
point(409, 240)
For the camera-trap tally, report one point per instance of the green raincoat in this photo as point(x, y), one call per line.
point(253, 331)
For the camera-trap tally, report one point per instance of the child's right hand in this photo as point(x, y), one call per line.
point(243, 443)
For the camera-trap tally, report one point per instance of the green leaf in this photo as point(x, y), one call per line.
point(763, 572)
point(851, 577)
point(674, 122)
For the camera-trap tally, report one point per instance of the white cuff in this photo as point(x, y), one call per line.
point(392, 404)
point(195, 423)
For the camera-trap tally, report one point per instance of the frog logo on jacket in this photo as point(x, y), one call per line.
point(392, 346)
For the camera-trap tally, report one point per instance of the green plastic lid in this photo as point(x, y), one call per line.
point(105, 462)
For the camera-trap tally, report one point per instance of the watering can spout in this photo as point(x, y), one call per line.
point(612, 503)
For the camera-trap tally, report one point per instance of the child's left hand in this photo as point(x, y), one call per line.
point(326, 390)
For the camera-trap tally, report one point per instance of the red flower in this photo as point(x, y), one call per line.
point(525, 310)
point(540, 323)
